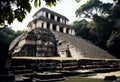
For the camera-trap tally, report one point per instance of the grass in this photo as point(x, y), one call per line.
point(81, 79)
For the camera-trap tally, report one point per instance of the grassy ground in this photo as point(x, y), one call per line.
point(81, 79)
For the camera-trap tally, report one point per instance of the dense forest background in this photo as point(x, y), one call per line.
point(103, 29)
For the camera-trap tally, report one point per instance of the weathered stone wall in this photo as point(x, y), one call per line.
point(63, 49)
point(38, 42)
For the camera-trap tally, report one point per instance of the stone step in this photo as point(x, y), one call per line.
point(22, 71)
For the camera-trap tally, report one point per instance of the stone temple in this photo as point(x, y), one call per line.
point(49, 35)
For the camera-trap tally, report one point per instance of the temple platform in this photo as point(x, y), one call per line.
point(65, 63)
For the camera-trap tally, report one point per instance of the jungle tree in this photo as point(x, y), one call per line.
point(97, 11)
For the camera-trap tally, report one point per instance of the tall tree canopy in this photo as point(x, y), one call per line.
point(81, 28)
point(7, 35)
point(97, 11)
point(17, 9)
point(93, 7)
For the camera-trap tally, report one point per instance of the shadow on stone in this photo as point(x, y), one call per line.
point(112, 77)
point(7, 77)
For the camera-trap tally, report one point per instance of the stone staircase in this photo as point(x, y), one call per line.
point(82, 48)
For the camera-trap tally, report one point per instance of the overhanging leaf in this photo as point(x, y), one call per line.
point(36, 3)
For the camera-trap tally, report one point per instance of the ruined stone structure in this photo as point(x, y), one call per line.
point(50, 35)
point(38, 42)
point(48, 19)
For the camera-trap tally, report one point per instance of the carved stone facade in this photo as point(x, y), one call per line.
point(38, 42)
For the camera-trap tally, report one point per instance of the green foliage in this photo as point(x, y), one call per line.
point(7, 34)
point(50, 2)
point(113, 43)
point(97, 10)
point(17, 9)
point(81, 28)
point(92, 7)
point(36, 3)
point(116, 11)
point(117, 1)
point(8, 13)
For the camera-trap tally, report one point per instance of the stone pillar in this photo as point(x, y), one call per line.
point(49, 15)
point(70, 31)
point(58, 28)
point(64, 29)
point(51, 26)
point(38, 24)
point(60, 20)
point(66, 22)
point(73, 32)
point(63, 21)
point(45, 25)
point(55, 18)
